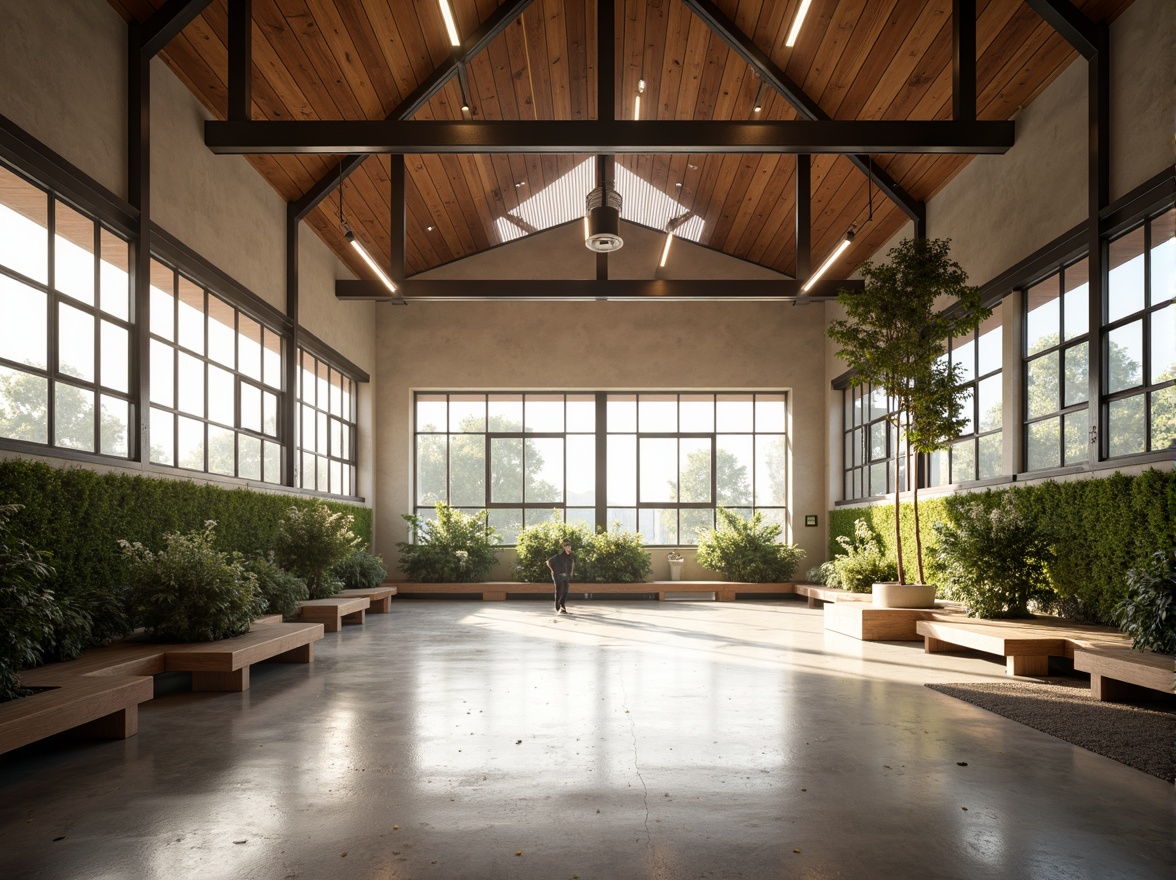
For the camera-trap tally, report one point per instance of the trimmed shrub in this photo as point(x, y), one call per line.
point(280, 590)
point(361, 571)
point(616, 556)
point(1148, 612)
point(746, 550)
point(538, 543)
point(994, 559)
point(28, 608)
point(89, 616)
point(190, 591)
point(455, 548)
point(311, 541)
point(861, 564)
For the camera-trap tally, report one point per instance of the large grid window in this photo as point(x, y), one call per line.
point(1057, 357)
point(870, 443)
point(668, 459)
point(977, 453)
point(327, 428)
point(216, 377)
point(65, 331)
point(1139, 339)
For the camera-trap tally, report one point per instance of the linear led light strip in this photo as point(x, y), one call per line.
point(796, 22)
point(829, 261)
point(451, 25)
point(367, 258)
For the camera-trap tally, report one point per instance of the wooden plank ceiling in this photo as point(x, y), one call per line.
point(857, 59)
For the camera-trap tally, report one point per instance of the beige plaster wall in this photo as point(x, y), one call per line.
point(63, 66)
point(597, 346)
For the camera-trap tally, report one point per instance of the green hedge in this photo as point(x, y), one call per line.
point(1101, 529)
point(79, 516)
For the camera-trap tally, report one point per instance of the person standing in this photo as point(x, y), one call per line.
point(562, 565)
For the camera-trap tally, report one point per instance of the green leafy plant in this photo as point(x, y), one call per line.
point(281, 590)
point(311, 541)
point(92, 615)
point(747, 550)
point(189, 591)
point(454, 548)
point(538, 543)
point(1148, 612)
point(994, 559)
point(893, 336)
point(28, 609)
point(616, 556)
point(361, 571)
point(862, 563)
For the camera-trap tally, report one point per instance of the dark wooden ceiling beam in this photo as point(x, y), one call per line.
point(963, 59)
point(804, 105)
point(498, 21)
point(783, 290)
point(240, 59)
point(1074, 27)
point(595, 136)
point(167, 22)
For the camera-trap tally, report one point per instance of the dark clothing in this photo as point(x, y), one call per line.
point(561, 565)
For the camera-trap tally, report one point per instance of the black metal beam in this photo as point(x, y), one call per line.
point(606, 74)
point(167, 22)
point(291, 465)
point(1098, 196)
point(783, 290)
point(592, 136)
point(139, 193)
point(1065, 18)
point(804, 215)
point(805, 106)
point(240, 59)
point(498, 21)
point(963, 60)
point(398, 225)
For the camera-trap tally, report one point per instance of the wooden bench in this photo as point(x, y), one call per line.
point(1026, 645)
point(334, 612)
point(819, 594)
point(1119, 672)
point(380, 598)
point(98, 694)
point(723, 591)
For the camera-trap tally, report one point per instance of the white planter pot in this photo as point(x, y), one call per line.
point(904, 595)
point(676, 570)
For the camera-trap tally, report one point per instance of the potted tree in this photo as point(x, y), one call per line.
point(896, 329)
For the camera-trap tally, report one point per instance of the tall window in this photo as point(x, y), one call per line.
point(669, 459)
point(977, 454)
point(327, 427)
point(870, 442)
point(216, 377)
point(1057, 324)
point(65, 331)
point(1139, 339)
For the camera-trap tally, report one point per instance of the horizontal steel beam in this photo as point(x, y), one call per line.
point(784, 290)
point(591, 136)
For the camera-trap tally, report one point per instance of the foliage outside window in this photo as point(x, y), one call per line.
point(1057, 357)
point(977, 454)
point(327, 428)
point(668, 459)
point(1139, 339)
point(65, 337)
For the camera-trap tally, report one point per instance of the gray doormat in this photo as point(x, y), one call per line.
point(1138, 735)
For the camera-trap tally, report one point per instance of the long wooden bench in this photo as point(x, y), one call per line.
point(1119, 672)
point(818, 594)
point(380, 598)
point(723, 591)
point(334, 612)
point(98, 694)
point(1025, 645)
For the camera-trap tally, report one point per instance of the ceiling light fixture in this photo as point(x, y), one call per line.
point(759, 94)
point(829, 260)
point(796, 22)
point(666, 248)
point(451, 25)
point(367, 258)
point(637, 100)
point(602, 230)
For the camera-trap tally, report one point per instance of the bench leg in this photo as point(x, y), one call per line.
point(724, 595)
point(1111, 690)
point(237, 680)
point(355, 617)
point(301, 654)
point(1035, 664)
point(116, 725)
point(494, 596)
point(381, 606)
point(932, 645)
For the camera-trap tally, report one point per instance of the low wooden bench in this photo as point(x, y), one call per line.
point(1119, 672)
point(1026, 645)
point(819, 594)
point(380, 598)
point(334, 612)
point(98, 694)
point(723, 591)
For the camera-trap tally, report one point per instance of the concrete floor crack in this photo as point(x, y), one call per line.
point(636, 761)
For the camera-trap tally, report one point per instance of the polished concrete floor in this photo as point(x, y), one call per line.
point(462, 739)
